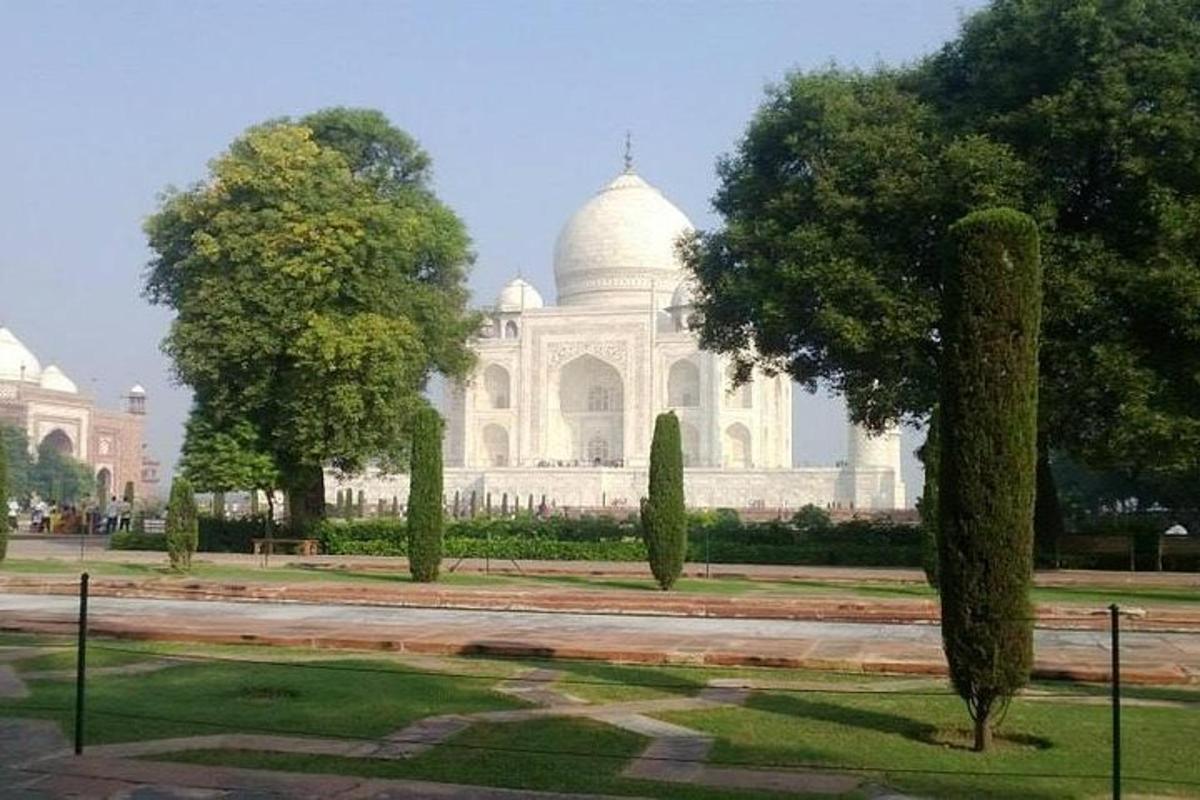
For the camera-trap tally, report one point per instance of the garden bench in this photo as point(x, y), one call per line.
point(1096, 546)
point(303, 547)
point(1177, 546)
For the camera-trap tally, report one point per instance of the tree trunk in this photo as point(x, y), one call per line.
point(305, 498)
point(1048, 523)
point(983, 733)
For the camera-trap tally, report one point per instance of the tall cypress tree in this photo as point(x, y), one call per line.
point(425, 497)
point(992, 304)
point(664, 518)
point(183, 525)
point(3, 500)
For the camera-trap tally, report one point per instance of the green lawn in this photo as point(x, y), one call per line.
point(1083, 595)
point(920, 744)
point(561, 755)
point(907, 733)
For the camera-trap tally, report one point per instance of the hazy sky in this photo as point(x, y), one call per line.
point(523, 106)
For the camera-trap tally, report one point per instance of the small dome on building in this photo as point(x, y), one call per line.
point(518, 295)
point(137, 389)
point(56, 380)
point(619, 245)
point(16, 361)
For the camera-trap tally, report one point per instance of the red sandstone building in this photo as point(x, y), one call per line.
point(48, 406)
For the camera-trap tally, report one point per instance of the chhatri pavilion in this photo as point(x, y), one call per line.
point(563, 398)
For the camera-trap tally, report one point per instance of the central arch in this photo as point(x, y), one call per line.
point(58, 441)
point(591, 404)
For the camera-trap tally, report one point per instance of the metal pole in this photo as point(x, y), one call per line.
point(706, 559)
point(81, 663)
point(1116, 700)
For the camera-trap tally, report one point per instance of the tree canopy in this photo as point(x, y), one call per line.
point(317, 284)
point(837, 202)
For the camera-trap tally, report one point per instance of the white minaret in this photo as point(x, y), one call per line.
point(874, 462)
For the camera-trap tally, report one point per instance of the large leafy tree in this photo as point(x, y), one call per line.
point(836, 206)
point(317, 284)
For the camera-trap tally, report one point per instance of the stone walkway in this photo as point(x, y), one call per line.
point(1148, 657)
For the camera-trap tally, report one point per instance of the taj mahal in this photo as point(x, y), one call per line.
point(562, 402)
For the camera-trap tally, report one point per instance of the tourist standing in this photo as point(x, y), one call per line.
point(126, 509)
point(111, 514)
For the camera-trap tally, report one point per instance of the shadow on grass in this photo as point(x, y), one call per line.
point(886, 722)
point(597, 674)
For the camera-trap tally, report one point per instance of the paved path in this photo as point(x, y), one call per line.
point(67, 549)
point(1147, 657)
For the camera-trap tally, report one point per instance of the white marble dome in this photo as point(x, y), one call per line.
point(619, 245)
point(56, 380)
point(16, 361)
point(518, 295)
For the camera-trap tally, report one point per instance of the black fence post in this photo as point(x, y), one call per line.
point(81, 663)
point(1115, 611)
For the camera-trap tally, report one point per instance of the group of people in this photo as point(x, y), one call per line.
point(88, 517)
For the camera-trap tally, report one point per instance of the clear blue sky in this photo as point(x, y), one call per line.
point(522, 105)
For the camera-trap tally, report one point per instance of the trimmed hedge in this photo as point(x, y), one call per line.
point(856, 543)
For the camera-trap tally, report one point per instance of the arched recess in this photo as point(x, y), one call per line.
point(738, 453)
point(691, 444)
point(598, 450)
point(495, 445)
point(683, 384)
point(496, 386)
point(591, 405)
point(104, 485)
point(58, 441)
point(510, 330)
point(737, 396)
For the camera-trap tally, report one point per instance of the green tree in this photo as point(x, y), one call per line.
point(60, 477)
point(837, 201)
point(182, 526)
point(4, 495)
point(664, 515)
point(15, 445)
point(227, 457)
point(425, 521)
point(986, 477)
point(317, 283)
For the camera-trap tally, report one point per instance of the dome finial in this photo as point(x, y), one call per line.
point(628, 153)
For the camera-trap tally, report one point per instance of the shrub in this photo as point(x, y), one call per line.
point(992, 301)
point(182, 528)
point(664, 515)
point(425, 497)
point(3, 501)
point(127, 540)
